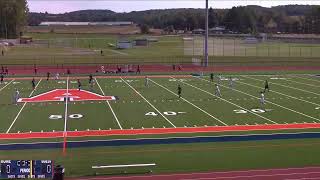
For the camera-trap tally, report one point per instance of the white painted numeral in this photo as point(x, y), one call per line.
point(55, 117)
point(75, 116)
point(170, 113)
point(240, 111)
point(151, 114)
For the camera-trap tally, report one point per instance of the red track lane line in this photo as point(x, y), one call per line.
point(153, 131)
point(249, 174)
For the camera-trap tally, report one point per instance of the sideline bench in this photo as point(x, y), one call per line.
point(124, 168)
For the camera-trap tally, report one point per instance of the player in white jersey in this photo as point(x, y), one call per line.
point(217, 90)
point(146, 81)
point(262, 100)
point(16, 96)
point(57, 76)
point(231, 83)
point(103, 70)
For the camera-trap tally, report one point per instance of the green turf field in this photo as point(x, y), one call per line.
point(292, 99)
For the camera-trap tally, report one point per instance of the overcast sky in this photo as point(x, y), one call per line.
point(61, 6)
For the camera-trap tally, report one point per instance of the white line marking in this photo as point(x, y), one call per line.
point(281, 94)
point(302, 83)
point(270, 102)
point(148, 102)
point(6, 85)
point(17, 116)
point(284, 86)
point(310, 79)
point(114, 115)
point(190, 103)
point(229, 102)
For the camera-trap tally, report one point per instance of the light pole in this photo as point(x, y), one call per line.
point(206, 56)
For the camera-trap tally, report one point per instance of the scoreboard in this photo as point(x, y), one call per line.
point(20, 169)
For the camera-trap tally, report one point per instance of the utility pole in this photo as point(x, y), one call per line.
point(206, 56)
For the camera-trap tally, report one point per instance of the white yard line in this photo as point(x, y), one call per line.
point(114, 114)
point(280, 93)
point(66, 110)
point(6, 85)
point(310, 79)
point(285, 86)
point(190, 103)
point(17, 116)
point(269, 102)
point(301, 83)
point(148, 102)
point(230, 102)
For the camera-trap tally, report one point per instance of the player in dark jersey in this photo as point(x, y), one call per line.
point(1, 78)
point(211, 77)
point(266, 86)
point(90, 78)
point(79, 85)
point(179, 90)
point(33, 84)
point(48, 76)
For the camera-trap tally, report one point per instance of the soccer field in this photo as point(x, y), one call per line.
point(292, 101)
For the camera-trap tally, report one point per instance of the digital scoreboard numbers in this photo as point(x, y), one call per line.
point(21, 169)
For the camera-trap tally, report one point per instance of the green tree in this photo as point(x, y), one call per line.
point(144, 29)
point(13, 17)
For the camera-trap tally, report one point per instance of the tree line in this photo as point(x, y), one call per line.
point(13, 17)
point(242, 19)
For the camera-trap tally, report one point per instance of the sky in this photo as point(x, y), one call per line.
point(61, 6)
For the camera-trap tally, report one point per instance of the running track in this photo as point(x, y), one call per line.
point(307, 173)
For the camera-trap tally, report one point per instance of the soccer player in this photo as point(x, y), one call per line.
point(102, 69)
point(219, 79)
point(211, 77)
point(1, 78)
point(230, 82)
point(146, 81)
point(262, 100)
point(179, 90)
point(266, 86)
point(90, 78)
point(33, 84)
point(138, 70)
point(16, 96)
point(217, 91)
point(57, 76)
point(48, 76)
point(79, 85)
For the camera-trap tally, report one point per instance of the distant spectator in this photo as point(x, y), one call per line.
point(35, 70)
point(138, 70)
point(68, 71)
point(179, 67)
point(2, 52)
point(174, 67)
point(101, 52)
point(7, 71)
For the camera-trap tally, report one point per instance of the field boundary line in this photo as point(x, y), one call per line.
point(114, 114)
point(270, 102)
point(230, 102)
point(17, 116)
point(6, 85)
point(310, 79)
point(285, 86)
point(301, 83)
point(197, 107)
point(248, 84)
point(148, 102)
